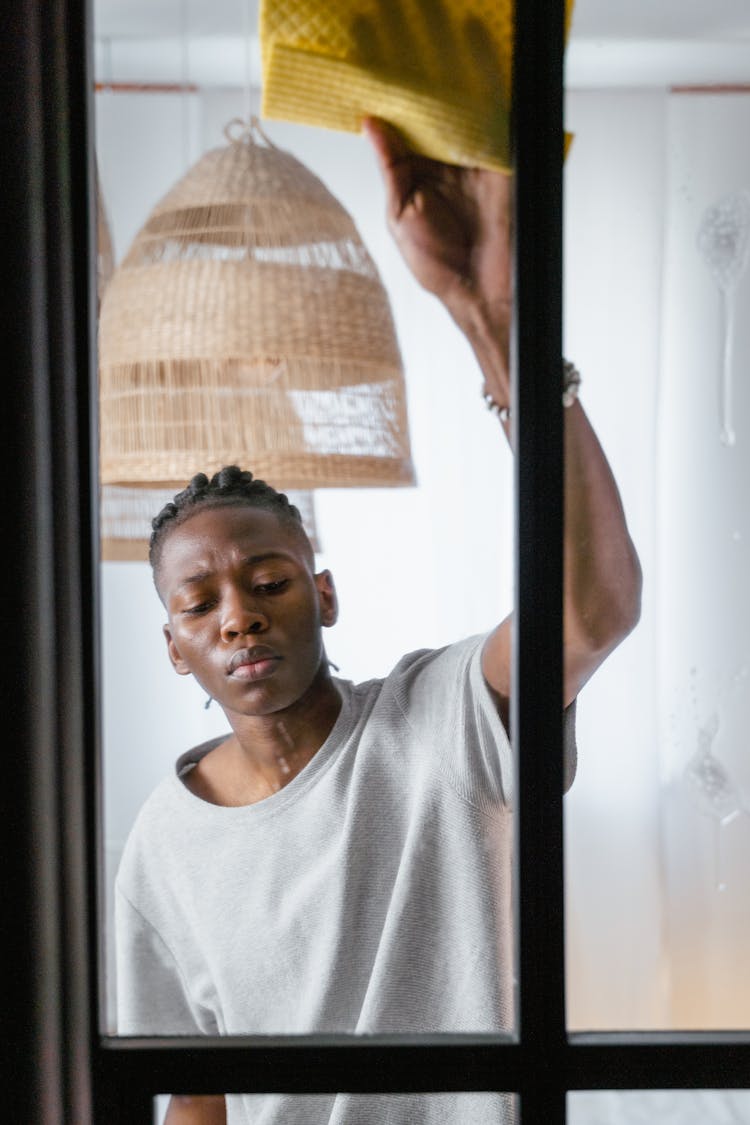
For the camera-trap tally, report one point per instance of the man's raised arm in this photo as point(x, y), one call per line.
point(453, 227)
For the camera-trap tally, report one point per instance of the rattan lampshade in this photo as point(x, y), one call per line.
point(247, 324)
point(105, 258)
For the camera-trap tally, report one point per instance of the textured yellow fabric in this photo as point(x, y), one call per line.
point(440, 70)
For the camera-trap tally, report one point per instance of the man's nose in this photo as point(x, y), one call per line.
point(242, 617)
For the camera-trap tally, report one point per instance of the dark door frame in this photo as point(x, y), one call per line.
point(62, 1071)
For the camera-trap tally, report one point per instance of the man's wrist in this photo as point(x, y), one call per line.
point(488, 332)
point(487, 322)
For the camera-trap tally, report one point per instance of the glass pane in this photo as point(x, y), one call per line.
point(657, 295)
point(360, 1109)
point(371, 893)
point(658, 1107)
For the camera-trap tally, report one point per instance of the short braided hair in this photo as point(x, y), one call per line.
point(230, 487)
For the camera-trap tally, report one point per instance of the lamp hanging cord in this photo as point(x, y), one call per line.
point(241, 131)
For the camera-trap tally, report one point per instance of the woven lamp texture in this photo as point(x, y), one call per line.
point(439, 70)
point(123, 534)
point(247, 325)
point(105, 257)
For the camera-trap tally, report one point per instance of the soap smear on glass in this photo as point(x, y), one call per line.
point(724, 240)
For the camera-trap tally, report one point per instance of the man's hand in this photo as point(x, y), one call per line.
point(189, 1110)
point(452, 225)
point(453, 228)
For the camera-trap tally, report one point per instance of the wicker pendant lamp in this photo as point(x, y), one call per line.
point(105, 257)
point(247, 324)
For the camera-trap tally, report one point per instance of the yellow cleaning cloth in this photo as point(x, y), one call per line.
point(439, 70)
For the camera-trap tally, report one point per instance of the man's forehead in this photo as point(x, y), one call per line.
point(232, 516)
point(213, 536)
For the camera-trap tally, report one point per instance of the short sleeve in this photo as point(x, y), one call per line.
point(445, 699)
point(152, 998)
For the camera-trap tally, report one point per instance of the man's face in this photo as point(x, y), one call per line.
point(245, 608)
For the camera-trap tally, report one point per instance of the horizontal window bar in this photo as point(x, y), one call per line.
point(659, 1059)
point(438, 1064)
point(313, 1064)
point(679, 1039)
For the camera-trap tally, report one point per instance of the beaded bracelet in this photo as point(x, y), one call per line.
point(571, 381)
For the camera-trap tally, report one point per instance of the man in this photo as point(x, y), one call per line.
point(341, 860)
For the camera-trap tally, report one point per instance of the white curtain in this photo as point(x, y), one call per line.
point(703, 529)
point(657, 829)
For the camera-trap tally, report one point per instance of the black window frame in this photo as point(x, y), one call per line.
point(61, 1069)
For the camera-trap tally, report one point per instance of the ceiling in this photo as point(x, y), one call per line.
point(641, 41)
point(593, 19)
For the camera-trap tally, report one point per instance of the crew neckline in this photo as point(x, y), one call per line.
point(290, 793)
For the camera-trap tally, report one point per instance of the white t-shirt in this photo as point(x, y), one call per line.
point(370, 894)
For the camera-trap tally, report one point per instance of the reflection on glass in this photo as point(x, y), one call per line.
point(723, 239)
point(659, 1107)
point(657, 296)
point(352, 1109)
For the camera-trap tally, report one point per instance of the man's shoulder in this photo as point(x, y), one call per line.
point(446, 659)
point(158, 818)
point(421, 679)
point(168, 794)
point(191, 757)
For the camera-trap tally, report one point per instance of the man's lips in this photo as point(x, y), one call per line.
point(252, 663)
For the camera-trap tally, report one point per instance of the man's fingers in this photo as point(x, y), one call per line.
point(395, 160)
point(389, 145)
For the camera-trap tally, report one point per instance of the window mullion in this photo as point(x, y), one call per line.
point(536, 710)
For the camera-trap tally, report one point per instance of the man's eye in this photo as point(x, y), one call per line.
point(196, 610)
point(271, 587)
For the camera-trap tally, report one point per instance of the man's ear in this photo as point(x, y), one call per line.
point(178, 663)
point(329, 602)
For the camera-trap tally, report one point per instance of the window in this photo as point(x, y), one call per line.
point(62, 1069)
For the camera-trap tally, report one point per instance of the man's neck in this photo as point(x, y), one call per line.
point(266, 752)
